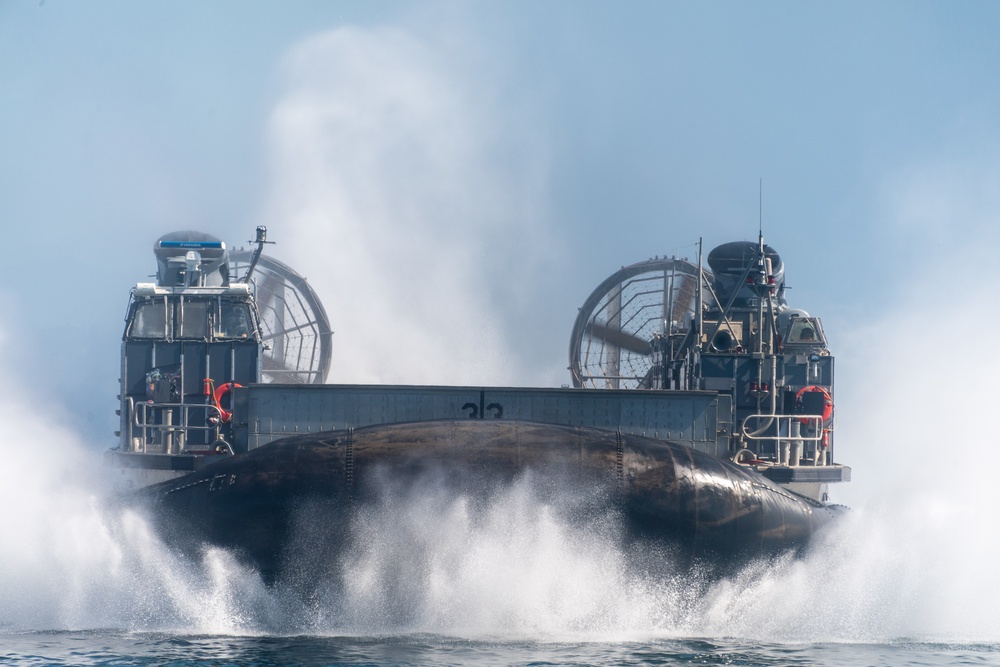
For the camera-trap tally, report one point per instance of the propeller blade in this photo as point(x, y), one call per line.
point(686, 293)
point(647, 381)
point(619, 338)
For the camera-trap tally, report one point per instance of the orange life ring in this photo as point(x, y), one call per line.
point(224, 389)
point(827, 402)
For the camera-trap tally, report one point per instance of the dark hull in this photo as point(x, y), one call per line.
point(705, 509)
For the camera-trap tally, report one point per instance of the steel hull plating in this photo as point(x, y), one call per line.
point(258, 503)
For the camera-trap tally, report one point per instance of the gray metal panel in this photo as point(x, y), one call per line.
point(275, 411)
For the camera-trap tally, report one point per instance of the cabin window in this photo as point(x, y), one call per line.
point(192, 320)
point(806, 331)
point(150, 320)
point(234, 320)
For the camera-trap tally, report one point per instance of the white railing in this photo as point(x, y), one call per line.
point(173, 428)
point(796, 438)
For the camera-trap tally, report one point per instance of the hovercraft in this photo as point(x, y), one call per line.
point(701, 411)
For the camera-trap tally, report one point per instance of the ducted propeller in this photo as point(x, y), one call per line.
point(612, 344)
point(296, 330)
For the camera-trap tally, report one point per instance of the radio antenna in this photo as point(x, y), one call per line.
point(760, 207)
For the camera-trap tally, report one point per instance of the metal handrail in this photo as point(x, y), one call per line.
point(140, 420)
point(816, 419)
point(795, 424)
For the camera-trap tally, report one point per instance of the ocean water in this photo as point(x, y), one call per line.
point(116, 648)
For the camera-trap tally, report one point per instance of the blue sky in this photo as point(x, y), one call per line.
point(455, 178)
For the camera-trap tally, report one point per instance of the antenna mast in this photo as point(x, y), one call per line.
point(261, 240)
point(760, 207)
